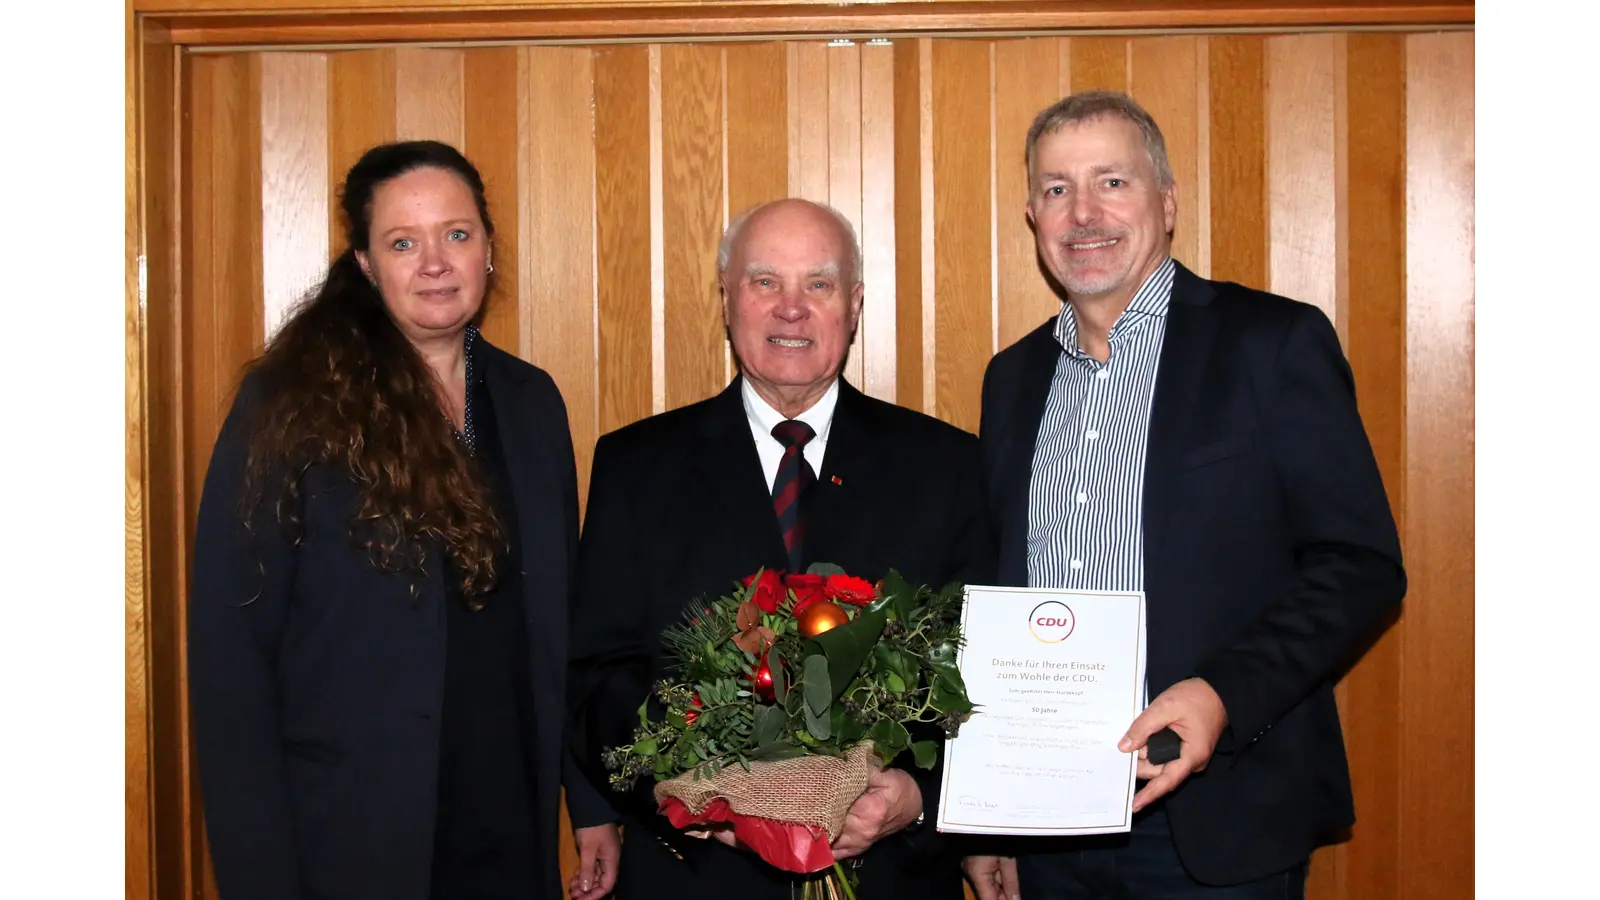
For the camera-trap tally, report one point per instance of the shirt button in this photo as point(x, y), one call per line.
point(1082, 497)
point(1077, 564)
point(1092, 434)
point(1102, 374)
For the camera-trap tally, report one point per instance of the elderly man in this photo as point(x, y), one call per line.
point(1198, 441)
point(684, 503)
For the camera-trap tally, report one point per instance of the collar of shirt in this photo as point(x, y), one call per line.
point(1150, 301)
point(763, 417)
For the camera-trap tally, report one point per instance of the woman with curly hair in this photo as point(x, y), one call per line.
point(382, 572)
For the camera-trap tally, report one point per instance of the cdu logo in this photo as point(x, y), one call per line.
point(1051, 621)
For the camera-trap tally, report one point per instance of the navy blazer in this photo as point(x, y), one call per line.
point(317, 681)
point(679, 508)
point(1271, 556)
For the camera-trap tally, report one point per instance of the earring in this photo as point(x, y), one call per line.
point(491, 269)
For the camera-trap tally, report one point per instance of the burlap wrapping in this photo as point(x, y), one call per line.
point(808, 790)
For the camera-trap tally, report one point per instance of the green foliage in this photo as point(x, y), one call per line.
point(891, 665)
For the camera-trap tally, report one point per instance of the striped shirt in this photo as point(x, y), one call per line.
point(1086, 498)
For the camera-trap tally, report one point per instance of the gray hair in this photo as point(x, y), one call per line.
point(731, 236)
point(1088, 105)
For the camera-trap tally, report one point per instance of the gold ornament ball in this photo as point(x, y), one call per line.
point(820, 617)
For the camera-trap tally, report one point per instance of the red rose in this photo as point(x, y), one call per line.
point(808, 589)
point(769, 592)
point(849, 589)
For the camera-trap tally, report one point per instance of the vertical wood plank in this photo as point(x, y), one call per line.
point(294, 180)
point(1201, 195)
point(808, 120)
point(558, 276)
point(1369, 172)
point(691, 145)
point(490, 102)
point(221, 327)
point(1299, 86)
point(157, 527)
point(913, 105)
point(1098, 64)
point(1027, 80)
point(758, 125)
point(844, 157)
point(1238, 160)
point(622, 220)
point(876, 344)
point(1437, 709)
point(961, 200)
point(428, 95)
point(1163, 83)
point(361, 114)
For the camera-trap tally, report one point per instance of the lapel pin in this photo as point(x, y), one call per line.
point(838, 481)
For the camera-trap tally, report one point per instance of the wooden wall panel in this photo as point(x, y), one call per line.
point(361, 113)
point(876, 343)
point(1238, 188)
point(757, 125)
point(963, 286)
point(1028, 75)
point(1335, 168)
point(691, 153)
point(558, 275)
point(1300, 168)
point(1369, 97)
point(428, 95)
point(1163, 80)
point(294, 180)
point(1437, 709)
point(913, 221)
point(221, 323)
point(492, 140)
point(1099, 64)
point(623, 151)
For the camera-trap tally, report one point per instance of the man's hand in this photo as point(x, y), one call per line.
point(1195, 712)
point(599, 848)
point(891, 802)
point(992, 877)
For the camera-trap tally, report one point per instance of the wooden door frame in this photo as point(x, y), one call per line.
point(158, 32)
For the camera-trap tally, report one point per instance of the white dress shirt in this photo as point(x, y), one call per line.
point(763, 417)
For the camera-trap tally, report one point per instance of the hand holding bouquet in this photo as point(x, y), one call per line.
point(786, 694)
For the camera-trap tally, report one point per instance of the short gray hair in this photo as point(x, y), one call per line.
point(1083, 107)
point(731, 236)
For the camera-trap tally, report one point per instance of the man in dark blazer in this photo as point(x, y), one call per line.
point(1198, 441)
point(682, 505)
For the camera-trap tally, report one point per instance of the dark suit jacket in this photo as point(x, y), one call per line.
point(1270, 554)
point(317, 703)
point(679, 508)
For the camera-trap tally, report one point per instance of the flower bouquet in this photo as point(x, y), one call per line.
point(787, 693)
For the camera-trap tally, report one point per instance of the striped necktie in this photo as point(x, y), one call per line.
point(794, 476)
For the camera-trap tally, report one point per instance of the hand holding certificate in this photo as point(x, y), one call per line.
point(1056, 677)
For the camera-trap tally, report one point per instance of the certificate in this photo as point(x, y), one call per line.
point(1057, 677)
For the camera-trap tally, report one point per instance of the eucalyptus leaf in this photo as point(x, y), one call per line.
point(824, 569)
point(769, 725)
point(818, 725)
point(816, 682)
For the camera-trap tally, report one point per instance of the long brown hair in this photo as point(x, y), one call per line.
point(340, 386)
